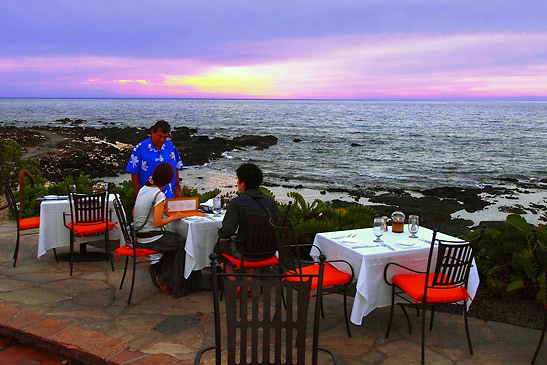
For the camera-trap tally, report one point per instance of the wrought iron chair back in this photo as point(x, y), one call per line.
point(88, 212)
point(88, 208)
point(259, 329)
point(258, 235)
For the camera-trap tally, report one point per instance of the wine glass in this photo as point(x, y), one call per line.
point(217, 206)
point(413, 225)
point(378, 228)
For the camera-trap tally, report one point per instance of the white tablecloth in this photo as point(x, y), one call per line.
point(369, 263)
point(201, 236)
point(54, 234)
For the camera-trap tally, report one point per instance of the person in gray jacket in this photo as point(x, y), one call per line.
point(249, 178)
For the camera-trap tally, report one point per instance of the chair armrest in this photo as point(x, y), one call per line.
point(401, 266)
point(345, 262)
point(335, 359)
point(64, 218)
point(311, 245)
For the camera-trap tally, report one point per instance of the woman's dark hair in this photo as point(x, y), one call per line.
point(250, 174)
point(163, 174)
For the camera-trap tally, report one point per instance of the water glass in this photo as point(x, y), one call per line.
point(413, 225)
point(378, 228)
point(217, 206)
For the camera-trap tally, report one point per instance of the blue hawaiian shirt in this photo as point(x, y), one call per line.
point(146, 157)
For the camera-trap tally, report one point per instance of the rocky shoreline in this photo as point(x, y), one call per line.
point(103, 152)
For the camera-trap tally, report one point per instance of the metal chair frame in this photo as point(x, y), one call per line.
point(130, 241)
point(260, 329)
point(290, 263)
point(89, 209)
point(450, 270)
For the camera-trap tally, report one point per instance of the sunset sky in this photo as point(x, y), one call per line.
point(288, 49)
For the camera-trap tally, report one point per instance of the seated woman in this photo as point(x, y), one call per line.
point(150, 221)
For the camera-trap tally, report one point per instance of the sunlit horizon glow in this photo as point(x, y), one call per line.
point(441, 64)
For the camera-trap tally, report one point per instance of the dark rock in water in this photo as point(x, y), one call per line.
point(322, 192)
point(297, 140)
point(102, 152)
point(356, 145)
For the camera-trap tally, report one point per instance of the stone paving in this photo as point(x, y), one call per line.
point(87, 318)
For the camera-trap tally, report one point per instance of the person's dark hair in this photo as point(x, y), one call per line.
point(163, 174)
point(250, 174)
point(162, 126)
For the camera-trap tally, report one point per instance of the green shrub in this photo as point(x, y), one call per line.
point(507, 258)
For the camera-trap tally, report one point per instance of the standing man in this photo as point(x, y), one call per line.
point(150, 153)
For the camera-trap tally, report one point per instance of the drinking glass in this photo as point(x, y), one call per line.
point(378, 228)
point(413, 225)
point(217, 206)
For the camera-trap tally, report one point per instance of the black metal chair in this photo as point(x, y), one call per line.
point(444, 281)
point(89, 215)
point(260, 329)
point(334, 280)
point(542, 254)
point(23, 224)
point(258, 246)
point(129, 249)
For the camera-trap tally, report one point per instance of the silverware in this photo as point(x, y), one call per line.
point(387, 246)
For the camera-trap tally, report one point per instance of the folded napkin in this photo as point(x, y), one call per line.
point(350, 240)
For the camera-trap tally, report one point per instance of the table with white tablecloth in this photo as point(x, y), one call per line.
point(369, 262)
point(53, 233)
point(201, 236)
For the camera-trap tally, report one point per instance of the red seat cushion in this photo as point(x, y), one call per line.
point(331, 275)
point(83, 229)
point(128, 251)
point(413, 285)
point(29, 223)
point(270, 261)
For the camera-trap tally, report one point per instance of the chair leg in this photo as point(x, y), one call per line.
point(431, 320)
point(124, 271)
point(407, 318)
point(107, 249)
point(391, 310)
point(71, 254)
point(467, 328)
point(346, 309)
point(55, 254)
point(16, 252)
point(423, 334)
point(538, 347)
point(132, 280)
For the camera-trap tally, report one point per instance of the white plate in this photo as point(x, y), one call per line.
point(50, 197)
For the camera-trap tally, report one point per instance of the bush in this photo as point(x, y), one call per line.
point(507, 258)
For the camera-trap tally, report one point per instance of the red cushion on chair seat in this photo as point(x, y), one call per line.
point(83, 229)
point(413, 285)
point(29, 223)
point(331, 275)
point(127, 251)
point(270, 261)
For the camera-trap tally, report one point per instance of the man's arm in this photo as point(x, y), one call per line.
point(136, 184)
point(178, 190)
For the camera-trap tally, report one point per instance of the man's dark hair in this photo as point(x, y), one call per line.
point(162, 126)
point(250, 174)
point(163, 174)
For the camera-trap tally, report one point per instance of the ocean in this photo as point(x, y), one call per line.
point(339, 145)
